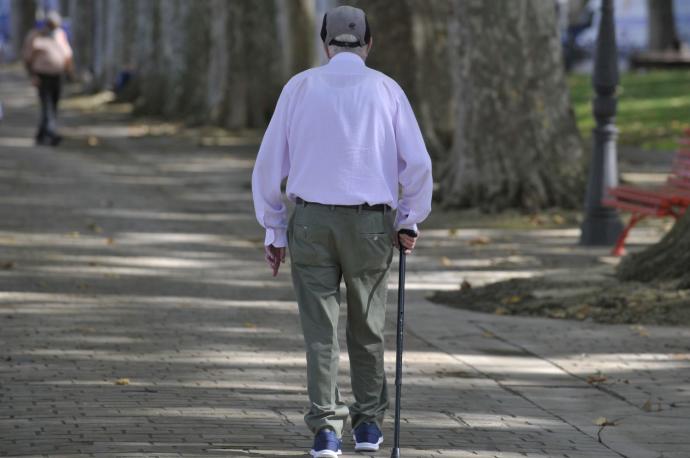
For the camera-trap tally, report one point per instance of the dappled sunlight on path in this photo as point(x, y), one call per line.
point(138, 318)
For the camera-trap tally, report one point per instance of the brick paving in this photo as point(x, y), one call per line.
point(137, 319)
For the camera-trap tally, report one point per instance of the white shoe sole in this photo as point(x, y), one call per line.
point(325, 453)
point(367, 446)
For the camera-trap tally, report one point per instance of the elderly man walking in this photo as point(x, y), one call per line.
point(346, 138)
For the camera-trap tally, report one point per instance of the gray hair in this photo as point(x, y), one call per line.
point(361, 51)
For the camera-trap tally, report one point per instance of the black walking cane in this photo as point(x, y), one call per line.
point(395, 453)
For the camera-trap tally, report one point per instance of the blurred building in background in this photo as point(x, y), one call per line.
point(579, 21)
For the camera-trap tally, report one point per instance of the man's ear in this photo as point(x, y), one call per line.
point(371, 43)
point(325, 49)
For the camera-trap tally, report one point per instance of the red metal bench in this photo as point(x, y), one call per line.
point(672, 199)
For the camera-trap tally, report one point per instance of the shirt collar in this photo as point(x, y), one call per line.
point(346, 58)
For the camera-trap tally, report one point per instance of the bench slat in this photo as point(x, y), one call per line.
point(679, 182)
point(636, 208)
point(640, 195)
point(681, 163)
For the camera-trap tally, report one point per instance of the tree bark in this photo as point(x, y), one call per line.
point(81, 15)
point(23, 18)
point(667, 260)
point(418, 31)
point(149, 81)
point(515, 143)
point(663, 35)
point(214, 61)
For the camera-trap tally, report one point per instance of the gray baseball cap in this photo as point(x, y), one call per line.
point(345, 20)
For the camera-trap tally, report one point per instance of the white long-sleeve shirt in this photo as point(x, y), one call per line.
point(343, 134)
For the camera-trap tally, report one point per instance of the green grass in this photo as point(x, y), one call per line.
point(653, 107)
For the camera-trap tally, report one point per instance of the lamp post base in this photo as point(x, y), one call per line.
point(601, 229)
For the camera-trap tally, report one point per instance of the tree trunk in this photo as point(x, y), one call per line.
point(419, 31)
point(23, 18)
point(217, 77)
point(214, 61)
point(81, 15)
point(667, 260)
point(516, 143)
point(149, 80)
point(662, 26)
point(262, 61)
point(190, 102)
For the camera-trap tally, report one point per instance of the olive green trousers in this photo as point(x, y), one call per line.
point(327, 244)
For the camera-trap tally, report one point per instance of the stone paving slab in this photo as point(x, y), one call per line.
point(140, 259)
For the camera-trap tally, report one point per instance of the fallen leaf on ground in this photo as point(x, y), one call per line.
point(481, 240)
point(458, 374)
point(452, 232)
point(122, 381)
point(536, 220)
point(488, 334)
point(603, 421)
point(249, 325)
point(583, 312)
point(95, 228)
point(557, 313)
point(465, 285)
point(597, 378)
point(647, 406)
point(558, 219)
point(74, 234)
point(9, 265)
point(93, 141)
point(445, 261)
point(641, 330)
point(110, 241)
point(501, 311)
point(512, 299)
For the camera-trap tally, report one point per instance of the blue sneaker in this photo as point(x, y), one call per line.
point(326, 444)
point(367, 437)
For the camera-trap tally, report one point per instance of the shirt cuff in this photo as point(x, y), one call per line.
point(406, 226)
point(276, 237)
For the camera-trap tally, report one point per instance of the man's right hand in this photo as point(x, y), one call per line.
point(274, 257)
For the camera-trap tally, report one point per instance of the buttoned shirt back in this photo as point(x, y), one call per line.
point(342, 134)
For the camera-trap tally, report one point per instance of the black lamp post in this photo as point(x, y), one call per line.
point(602, 225)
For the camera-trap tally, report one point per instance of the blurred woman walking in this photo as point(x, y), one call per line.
point(47, 56)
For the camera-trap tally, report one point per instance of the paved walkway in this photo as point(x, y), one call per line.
point(137, 318)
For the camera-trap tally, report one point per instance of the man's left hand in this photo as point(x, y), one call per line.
point(274, 257)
